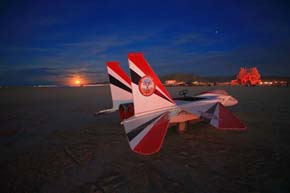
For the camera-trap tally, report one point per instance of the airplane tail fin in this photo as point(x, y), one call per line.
point(221, 118)
point(120, 85)
point(148, 92)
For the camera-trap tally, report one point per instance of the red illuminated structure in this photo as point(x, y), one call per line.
point(247, 76)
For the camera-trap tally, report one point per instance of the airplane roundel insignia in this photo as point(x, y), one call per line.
point(146, 86)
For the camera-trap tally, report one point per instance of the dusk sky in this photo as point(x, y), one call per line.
point(50, 42)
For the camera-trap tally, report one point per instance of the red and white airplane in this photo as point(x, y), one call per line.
point(146, 108)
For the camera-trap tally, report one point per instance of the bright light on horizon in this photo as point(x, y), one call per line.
point(77, 81)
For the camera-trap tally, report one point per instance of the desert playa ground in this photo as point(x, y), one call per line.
point(51, 142)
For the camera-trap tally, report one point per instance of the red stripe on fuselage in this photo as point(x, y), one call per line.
point(139, 60)
point(116, 68)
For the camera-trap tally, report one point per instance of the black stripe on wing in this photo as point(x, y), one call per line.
point(119, 84)
point(132, 134)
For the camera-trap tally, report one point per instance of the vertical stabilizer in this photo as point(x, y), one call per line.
point(120, 85)
point(148, 92)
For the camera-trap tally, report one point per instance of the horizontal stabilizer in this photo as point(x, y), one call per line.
point(146, 133)
point(105, 111)
point(220, 117)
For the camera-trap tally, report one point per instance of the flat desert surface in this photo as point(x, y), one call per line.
point(51, 142)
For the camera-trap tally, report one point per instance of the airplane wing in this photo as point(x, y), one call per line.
point(224, 119)
point(146, 133)
point(217, 115)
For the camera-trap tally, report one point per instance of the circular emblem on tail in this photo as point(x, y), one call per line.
point(146, 86)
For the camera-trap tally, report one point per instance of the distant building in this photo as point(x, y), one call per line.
point(247, 76)
point(201, 83)
point(174, 83)
point(277, 83)
point(170, 82)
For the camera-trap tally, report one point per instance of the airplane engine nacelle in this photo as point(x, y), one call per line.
point(126, 111)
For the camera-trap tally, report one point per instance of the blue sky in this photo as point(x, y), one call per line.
point(49, 42)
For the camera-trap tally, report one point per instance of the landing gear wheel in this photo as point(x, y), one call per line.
point(122, 112)
point(130, 111)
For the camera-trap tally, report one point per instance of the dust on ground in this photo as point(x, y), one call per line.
point(51, 142)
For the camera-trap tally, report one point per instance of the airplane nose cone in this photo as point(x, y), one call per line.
point(231, 101)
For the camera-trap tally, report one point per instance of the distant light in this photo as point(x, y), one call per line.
point(78, 82)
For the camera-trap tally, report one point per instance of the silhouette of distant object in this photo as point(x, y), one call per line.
point(247, 77)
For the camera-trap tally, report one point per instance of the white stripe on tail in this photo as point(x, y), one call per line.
point(148, 92)
point(120, 85)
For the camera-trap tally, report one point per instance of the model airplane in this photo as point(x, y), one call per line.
point(146, 109)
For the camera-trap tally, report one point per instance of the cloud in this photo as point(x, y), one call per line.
point(197, 39)
point(27, 76)
point(46, 75)
point(190, 51)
